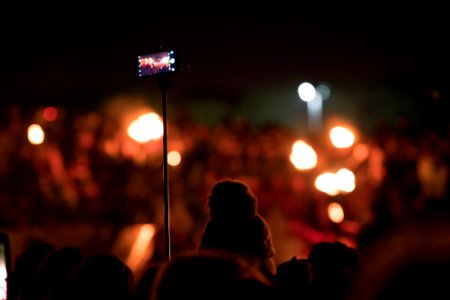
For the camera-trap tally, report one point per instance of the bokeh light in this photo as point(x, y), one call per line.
point(147, 127)
point(360, 152)
point(173, 158)
point(50, 113)
point(335, 212)
point(345, 180)
point(140, 246)
point(342, 137)
point(335, 183)
point(326, 183)
point(324, 91)
point(306, 91)
point(36, 134)
point(303, 156)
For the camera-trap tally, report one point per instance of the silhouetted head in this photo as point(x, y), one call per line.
point(293, 279)
point(55, 271)
point(333, 267)
point(231, 200)
point(334, 254)
point(209, 275)
point(25, 268)
point(102, 276)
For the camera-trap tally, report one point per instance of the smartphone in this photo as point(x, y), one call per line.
point(156, 63)
point(4, 265)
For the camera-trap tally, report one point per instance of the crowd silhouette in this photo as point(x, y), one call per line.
point(234, 259)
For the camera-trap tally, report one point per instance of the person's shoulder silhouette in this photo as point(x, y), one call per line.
point(334, 266)
point(54, 272)
point(102, 276)
point(210, 274)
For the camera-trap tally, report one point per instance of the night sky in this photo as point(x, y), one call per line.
point(371, 59)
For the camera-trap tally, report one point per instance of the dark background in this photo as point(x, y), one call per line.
point(380, 61)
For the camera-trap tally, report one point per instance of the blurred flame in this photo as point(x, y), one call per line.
point(342, 137)
point(303, 156)
point(334, 183)
point(147, 127)
point(140, 245)
point(326, 183)
point(345, 180)
point(335, 212)
point(36, 134)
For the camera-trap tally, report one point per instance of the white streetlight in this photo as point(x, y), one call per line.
point(306, 91)
point(313, 98)
point(315, 113)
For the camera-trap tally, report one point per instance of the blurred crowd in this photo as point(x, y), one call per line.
point(89, 170)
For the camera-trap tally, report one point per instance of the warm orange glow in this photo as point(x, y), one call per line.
point(334, 183)
point(303, 156)
point(36, 135)
point(335, 212)
point(50, 114)
point(360, 152)
point(326, 183)
point(173, 158)
point(345, 180)
point(342, 137)
point(147, 127)
point(140, 246)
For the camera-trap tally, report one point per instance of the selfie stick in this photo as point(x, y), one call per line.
point(164, 83)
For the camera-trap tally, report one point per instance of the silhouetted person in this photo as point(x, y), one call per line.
point(101, 276)
point(145, 284)
point(205, 275)
point(411, 261)
point(333, 267)
point(235, 226)
point(293, 279)
point(54, 273)
point(25, 269)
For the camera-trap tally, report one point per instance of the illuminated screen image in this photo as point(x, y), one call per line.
point(3, 273)
point(161, 62)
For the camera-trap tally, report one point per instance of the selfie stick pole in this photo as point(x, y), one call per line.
point(164, 83)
